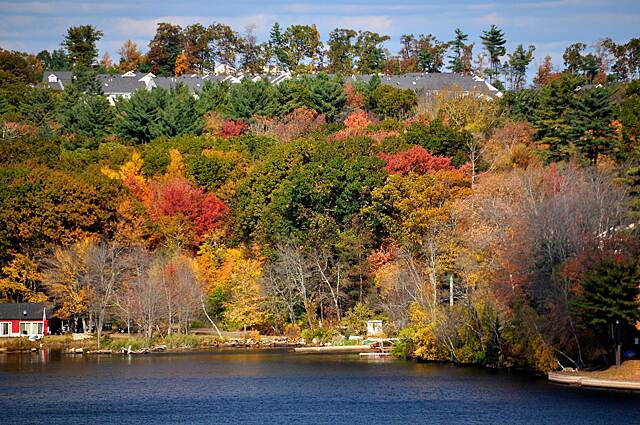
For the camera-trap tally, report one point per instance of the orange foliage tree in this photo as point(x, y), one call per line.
point(415, 160)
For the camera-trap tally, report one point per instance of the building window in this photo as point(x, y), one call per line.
point(31, 328)
point(53, 78)
point(4, 328)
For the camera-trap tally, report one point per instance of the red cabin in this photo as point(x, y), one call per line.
point(24, 319)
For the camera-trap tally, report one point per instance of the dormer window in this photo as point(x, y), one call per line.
point(53, 78)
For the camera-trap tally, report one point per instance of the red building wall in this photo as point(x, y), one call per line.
point(15, 325)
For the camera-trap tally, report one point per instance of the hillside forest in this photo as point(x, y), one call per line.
point(499, 232)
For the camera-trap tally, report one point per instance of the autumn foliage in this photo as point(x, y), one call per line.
point(172, 197)
point(203, 211)
point(231, 128)
point(415, 160)
point(297, 123)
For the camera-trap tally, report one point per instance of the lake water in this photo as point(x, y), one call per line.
point(280, 387)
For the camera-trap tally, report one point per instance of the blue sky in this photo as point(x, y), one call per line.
point(551, 25)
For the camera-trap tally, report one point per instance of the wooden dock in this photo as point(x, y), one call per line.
point(334, 349)
point(585, 381)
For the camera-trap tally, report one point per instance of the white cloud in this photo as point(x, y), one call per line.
point(67, 7)
point(489, 19)
point(147, 27)
point(357, 9)
point(371, 23)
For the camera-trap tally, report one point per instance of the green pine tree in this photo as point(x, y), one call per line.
point(590, 121)
point(609, 300)
point(136, 117)
point(552, 120)
point(87, 115)
point(81, 44)
point(85, 80)
point(457, 47)
point(494, 41)
point(277, 44)
point(178, 116)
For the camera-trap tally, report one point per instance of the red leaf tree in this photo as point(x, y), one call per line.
point(203, 211)
point(231, 128)
point(415, 160)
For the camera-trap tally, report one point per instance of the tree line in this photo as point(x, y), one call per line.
point(299, 49)
point(495, 232)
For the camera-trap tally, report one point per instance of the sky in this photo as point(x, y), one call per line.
point(550, 25)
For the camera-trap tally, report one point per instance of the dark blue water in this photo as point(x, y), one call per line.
point(280, 387)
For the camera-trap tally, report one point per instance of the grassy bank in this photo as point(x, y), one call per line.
point(628, 371)
point(117, 342)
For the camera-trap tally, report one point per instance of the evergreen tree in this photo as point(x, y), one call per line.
point(277, 45)
point(86, 115)
point(609, 300)
point(590, 121)
point(494, 41)
point(81, 44)
point(59, 61)
point(552, 117)
point(457, 46)
point(293, 94)
point(518, 63)
point(136, 117)
point(85, 80)
point(326, 94)
point(251, 98)
point(178, 115)
point(38, 106)
point(213, 97)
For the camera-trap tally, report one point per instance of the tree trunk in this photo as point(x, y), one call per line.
point(451, 290)
point(208, 317)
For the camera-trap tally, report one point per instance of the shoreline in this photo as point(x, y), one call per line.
point(589, 382)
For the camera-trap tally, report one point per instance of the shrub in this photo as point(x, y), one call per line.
point(355, 321)
point(292, 331)
point(135, 343)
point(392, 102)
point(174, 341)
point(231, 128)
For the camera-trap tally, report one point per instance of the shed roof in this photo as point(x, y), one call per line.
point(23, 311)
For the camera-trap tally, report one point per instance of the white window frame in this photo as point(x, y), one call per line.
point(9, 326)
point(31, 328)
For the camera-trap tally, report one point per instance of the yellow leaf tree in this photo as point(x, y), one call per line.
point(234, 274)
point(21, 281)
point(182, 65)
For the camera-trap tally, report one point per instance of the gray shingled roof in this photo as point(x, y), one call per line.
point(64, 77)
point(16, 311)
point(420, 82)
point(117, 84)
point(432, 82)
